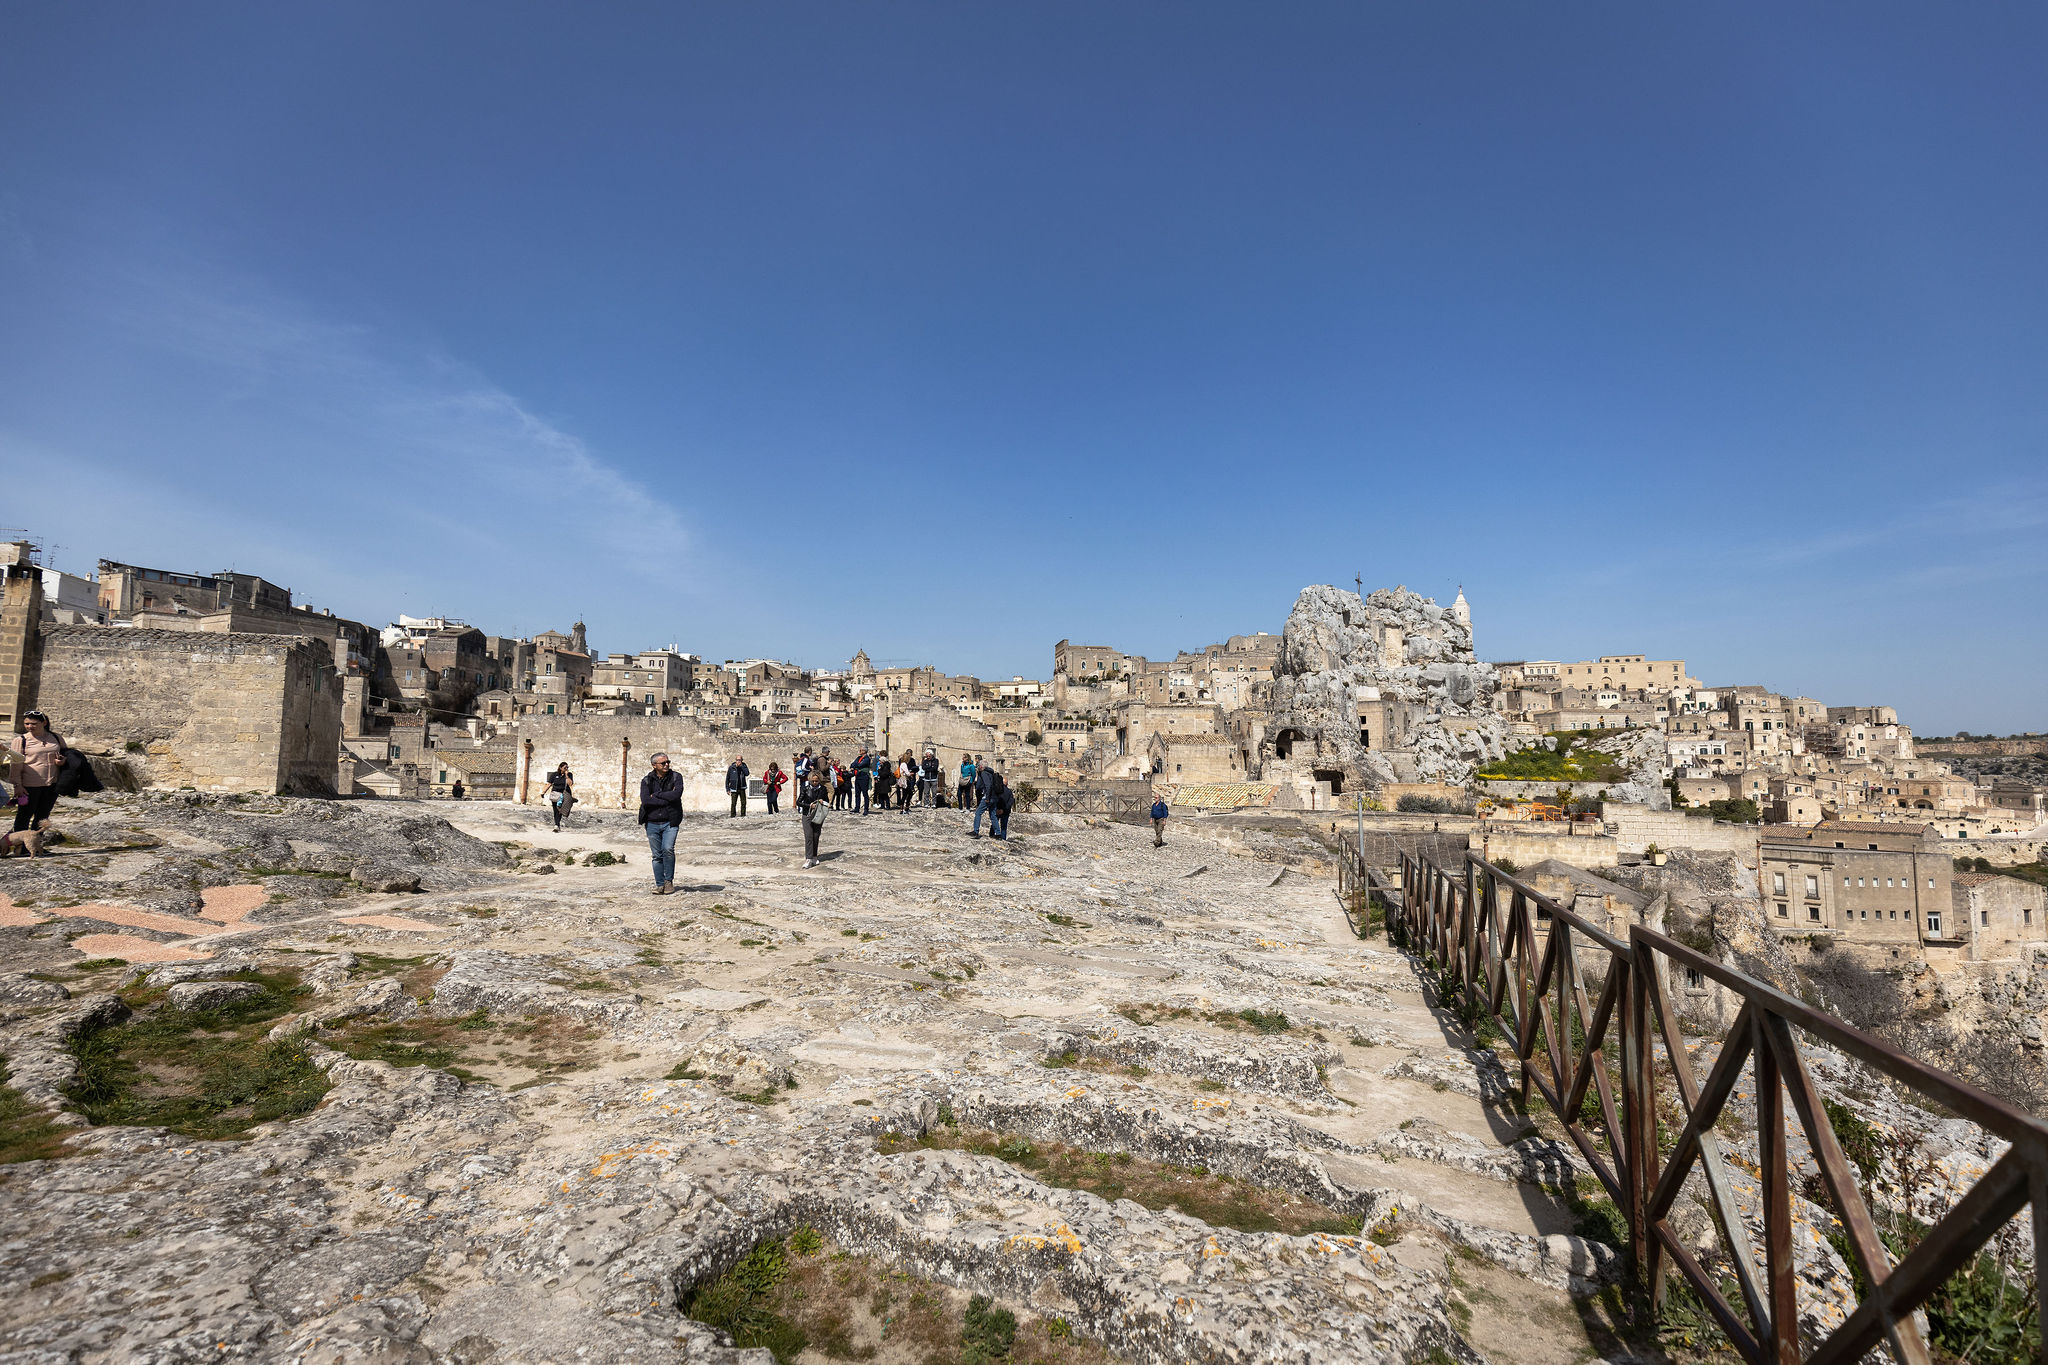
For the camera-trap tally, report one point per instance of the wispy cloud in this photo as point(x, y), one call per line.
point(385, 473)
point(1994, 532)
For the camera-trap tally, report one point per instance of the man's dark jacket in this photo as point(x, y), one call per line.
point(661, 798)
point(736, 777)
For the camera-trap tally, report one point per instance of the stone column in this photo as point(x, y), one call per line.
point(525, 768)
point(625, 763)
point(21, 620)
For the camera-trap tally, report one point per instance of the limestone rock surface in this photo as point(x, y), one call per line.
point(558, 1105)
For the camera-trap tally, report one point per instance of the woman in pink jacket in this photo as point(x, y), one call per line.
point(36, 755)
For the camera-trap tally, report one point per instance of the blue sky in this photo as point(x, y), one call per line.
point(946, 331)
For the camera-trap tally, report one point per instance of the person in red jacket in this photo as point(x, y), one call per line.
point(771, 783)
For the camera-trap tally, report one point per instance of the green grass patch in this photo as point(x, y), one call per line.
point(471, 1045)
point(800, 1296)
point(1218, 1200)
point(1574, 760)
point(1237, 1021)
point(26, 1131)
point(208, 1074)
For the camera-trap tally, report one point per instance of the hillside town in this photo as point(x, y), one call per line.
point(1363, 705)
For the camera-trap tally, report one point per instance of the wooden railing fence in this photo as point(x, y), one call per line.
point(1503, 948)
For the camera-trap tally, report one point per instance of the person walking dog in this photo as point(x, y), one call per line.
point(36, 759)
point(661, 812)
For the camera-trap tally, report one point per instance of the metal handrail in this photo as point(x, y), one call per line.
point(1479, 926)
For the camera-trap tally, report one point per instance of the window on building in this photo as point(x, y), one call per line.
point(1812, 913)
point(1693, 979)
point(444, 775)
point(1813, 886)
point(1933, 922)
point(1781, 912)
point(1778, 882)
point(1930, 883)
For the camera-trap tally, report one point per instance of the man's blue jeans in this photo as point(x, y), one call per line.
point(984, 805)
point(860, 793)
point(661, 843)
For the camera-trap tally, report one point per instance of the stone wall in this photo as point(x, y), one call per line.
point(918, 723)
point(1527, 844)
point(243, 713)
point(609, 755)
point(1637, 827)
point(1983, 748)
point(1999, 852)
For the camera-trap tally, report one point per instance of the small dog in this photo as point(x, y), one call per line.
point(28, 843)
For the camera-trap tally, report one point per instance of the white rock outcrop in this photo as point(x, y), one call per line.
point(1380, 689)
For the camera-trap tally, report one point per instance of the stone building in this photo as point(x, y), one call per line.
point(1194, 758)
point(660, 679)
point(1885, 884)
point(1999, 916)
point(485, 774)
point(238, 712)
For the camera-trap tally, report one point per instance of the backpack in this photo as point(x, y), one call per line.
point(76, 774)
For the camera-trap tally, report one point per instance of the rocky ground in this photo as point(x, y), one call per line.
point(547, 1104)
point(266, 1101)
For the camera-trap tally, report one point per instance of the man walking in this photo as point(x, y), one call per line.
point(863, 775)
point(661, 811)
point(1159, 813)
point(736, 775)
point(986, 779)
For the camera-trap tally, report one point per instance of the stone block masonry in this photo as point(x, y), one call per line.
point(241, 713)
point(609, 755)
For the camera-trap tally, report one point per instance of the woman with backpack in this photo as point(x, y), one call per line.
point(813, 797)
point(561, 793)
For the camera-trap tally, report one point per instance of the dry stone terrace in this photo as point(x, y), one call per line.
point(633, 1091)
